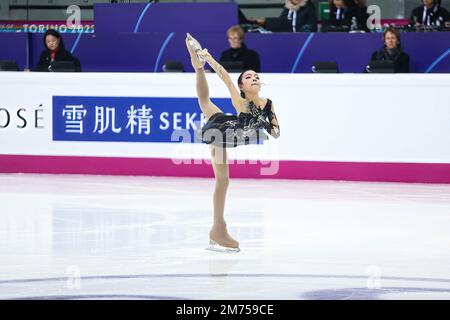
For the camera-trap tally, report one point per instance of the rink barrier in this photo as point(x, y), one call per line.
point(333, 127)
point(308, 170)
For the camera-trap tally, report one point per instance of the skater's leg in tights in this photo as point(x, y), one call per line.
point(219, 234)
point(219, 160)
point(207, 106)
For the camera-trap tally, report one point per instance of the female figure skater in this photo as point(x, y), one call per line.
point(222, 131)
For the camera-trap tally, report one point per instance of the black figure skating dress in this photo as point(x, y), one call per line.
point(229, 131)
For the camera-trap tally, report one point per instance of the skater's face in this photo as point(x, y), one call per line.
point(250, 82)
point(390, 40)
point(234, 40)
point(51, 42)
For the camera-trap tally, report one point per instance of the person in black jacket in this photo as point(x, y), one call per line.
point(239, 52)
point(392, 51)
point(342, 14)
point(361, 15)
point(430, 14)
point(55, 51)
point(298, 15)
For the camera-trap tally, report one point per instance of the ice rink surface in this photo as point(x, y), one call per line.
point(111, 237)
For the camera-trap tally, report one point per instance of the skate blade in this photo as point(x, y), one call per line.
point(195, 45)
point(214, 246)
point(193, 42)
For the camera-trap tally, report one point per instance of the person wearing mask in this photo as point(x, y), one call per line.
point(430, 14)
point(239, 52)
point(298, 15)
point(392, 51)
point(55, 51)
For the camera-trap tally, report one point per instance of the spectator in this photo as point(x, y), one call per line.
point(361, 15)
point(430, 14)
point(239, 52)
point(55, 51)
point(342, 15)
point(392, 51)
point(298, 15)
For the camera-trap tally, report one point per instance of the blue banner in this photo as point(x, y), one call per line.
point(128, 119)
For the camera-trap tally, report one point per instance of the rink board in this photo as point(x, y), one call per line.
point(333, 127)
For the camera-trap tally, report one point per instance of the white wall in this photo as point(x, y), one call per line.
point(347, 117)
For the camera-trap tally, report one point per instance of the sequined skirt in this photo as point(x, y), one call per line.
point(229, 131)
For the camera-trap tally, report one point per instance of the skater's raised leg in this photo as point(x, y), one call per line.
point(207, 106)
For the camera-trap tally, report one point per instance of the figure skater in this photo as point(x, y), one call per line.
point(224, 131)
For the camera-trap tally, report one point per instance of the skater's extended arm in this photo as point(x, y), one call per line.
point(236, 99)
point(275, 126)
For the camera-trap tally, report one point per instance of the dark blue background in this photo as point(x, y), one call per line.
point(121, 105)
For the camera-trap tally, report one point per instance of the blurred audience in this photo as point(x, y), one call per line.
point(55, 51)
point(392, 51)
point(238, 51)
point(430, 13)
point(361, 15)
point(342, 14)
point(297, 15)
point(347, 15)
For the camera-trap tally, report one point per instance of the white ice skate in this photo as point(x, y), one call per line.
point(214, 246)
point(195, 45)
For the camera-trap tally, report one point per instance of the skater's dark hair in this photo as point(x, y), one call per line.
point(53, 32)
point(240, 82)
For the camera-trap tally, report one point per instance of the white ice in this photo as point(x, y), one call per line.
point(106, 237)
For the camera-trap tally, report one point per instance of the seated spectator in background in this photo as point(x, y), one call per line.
point(298, 15)
point(361, 15)
point(54, 51)
point(430, 14)
point(392, 51)
point(346, 15)
point(340, 12)
point(239, 52)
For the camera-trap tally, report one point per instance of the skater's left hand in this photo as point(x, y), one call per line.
point(259, 116)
